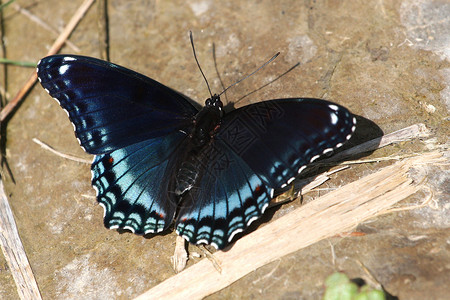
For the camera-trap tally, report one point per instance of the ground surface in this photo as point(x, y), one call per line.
point(387, 61)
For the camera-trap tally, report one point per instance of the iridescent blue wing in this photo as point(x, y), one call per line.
point(134, 125)
point(112, 107)
point(132, 184)
point(227, 197)
point(259, 148)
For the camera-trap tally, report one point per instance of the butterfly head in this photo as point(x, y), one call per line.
point(215, 103)
point(207, 121)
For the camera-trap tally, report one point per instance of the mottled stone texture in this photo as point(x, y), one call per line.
point(387, 61)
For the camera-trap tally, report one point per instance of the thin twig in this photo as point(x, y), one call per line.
point(17, 63)
point(41, 23)
point(103, 29)
point(6, 4)
point(53, 50)
point(68, 156)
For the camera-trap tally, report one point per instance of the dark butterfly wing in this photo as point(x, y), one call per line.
point(228, 196)
point(134, 124)
point(259, 148)
point(112, 107)
point(278, 138)
point(132, 184)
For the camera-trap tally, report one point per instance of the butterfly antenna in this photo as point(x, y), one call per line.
point(266, 63)
point(198, 64)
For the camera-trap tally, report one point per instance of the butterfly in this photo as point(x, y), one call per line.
point(159, 160)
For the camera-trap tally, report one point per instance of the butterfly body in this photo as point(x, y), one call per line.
point(159, 160)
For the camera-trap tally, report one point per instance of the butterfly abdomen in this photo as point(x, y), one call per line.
point(206, 124)
point(186, 177)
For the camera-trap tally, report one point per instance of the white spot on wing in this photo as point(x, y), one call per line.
point(184, 237)
point(314, 158)
point(328, 150)
point(149, 231)
point(69, 58)
point(96, 190)
point(234, 233)
point(333, 107)
point(63, 69)
point(334, 119)
point(129, 228)
point(263, 209)
point(290, 180)
point(252, 220)
point(301, 169)
point(202, 241)
point(104, 208)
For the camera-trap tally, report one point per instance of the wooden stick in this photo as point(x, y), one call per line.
point(41, 23)
point(14, 252)
point(53, 50)
point(67, 156)
point(337, 211)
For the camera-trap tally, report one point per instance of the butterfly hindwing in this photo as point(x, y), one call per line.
point(112, 107)
point(226, 199)
point(132, 184)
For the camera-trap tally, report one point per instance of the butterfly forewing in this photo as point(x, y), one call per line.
point(278, 138)
point(110, 106)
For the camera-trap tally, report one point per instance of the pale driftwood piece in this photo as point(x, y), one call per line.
point(67, 156)
point(14, 252)
point(414, 131)
point(180, 256)
point(336, 212)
